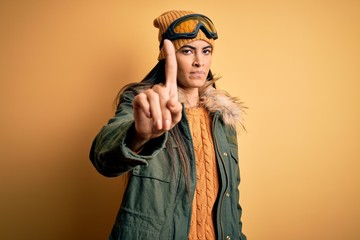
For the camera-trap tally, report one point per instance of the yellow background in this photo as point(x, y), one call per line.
point(296, 65)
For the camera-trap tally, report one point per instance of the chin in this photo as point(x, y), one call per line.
point(198, 84)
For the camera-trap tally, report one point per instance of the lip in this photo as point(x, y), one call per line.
point(197, 75)
point(199, 72)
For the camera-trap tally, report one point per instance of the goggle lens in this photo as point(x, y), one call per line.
point(192, 23)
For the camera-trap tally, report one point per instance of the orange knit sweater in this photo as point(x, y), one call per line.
point(207, 185)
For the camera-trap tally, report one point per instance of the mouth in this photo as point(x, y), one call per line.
point(197, 74)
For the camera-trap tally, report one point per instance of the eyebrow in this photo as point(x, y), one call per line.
point(191, 47)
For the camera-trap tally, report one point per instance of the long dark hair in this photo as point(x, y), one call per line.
point(157, 76)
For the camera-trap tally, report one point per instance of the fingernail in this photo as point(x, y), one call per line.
point(158, 124)
point(167, 124)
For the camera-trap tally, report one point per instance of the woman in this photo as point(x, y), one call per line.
point(175, 134)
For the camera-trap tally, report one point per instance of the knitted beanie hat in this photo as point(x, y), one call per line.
point(163, 22)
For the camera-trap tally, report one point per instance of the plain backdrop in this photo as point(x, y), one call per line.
point(295, 64)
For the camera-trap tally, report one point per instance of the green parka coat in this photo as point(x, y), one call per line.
point(157, 202)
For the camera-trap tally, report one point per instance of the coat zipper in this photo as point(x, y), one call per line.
point(192, 191)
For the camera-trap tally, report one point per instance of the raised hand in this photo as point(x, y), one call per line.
point(157, 110)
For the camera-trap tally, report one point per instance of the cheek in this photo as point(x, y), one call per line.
point(180, 66)
point(180, 71)
point(181, 75)
point(209, 62)
point(183, 68)
point(208, 65)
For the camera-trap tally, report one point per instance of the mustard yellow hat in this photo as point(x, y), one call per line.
point(163, 22)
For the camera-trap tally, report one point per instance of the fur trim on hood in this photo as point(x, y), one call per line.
point(231, 108)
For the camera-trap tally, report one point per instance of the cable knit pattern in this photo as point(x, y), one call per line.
point(207, 185)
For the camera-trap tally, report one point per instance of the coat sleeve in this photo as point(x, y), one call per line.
point(109, 152)
point(242, 236)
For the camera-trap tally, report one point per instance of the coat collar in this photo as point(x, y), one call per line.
point(214, 100)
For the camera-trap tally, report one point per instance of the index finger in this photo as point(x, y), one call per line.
point(170, 68)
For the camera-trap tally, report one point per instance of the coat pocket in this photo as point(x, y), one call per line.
point(134, 226)
point(152, 189)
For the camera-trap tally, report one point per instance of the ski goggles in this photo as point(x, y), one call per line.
point(188, 27)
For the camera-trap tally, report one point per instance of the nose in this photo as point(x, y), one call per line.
point(198, 61)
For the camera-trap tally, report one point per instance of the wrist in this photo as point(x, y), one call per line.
point(134, 140)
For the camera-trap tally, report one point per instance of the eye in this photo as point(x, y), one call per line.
point(207, 51)
point(186, 51)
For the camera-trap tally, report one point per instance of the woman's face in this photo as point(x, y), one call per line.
point(194, 61)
